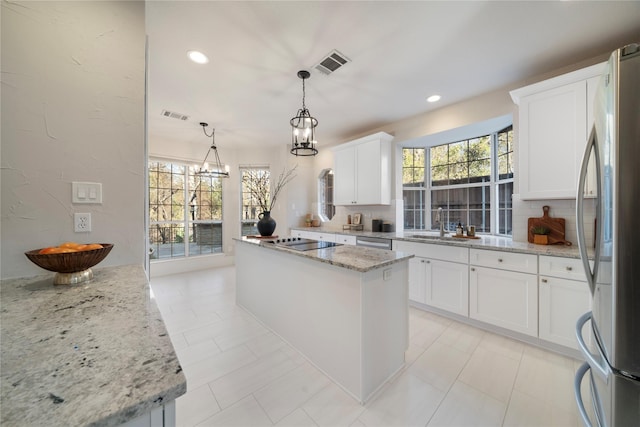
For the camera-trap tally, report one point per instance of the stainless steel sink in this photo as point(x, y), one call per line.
point(448, 238)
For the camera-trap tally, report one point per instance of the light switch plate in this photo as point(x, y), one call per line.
point(86, 192)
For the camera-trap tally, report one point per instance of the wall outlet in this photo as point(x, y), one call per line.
point(81, 222)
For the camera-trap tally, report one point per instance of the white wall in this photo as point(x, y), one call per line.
point(72, 110)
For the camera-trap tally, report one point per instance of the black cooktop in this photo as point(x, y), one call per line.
point(300, 244)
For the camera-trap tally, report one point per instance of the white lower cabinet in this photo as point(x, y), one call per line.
point(434, 279)
point(562, 299)
point(503, 297)
point(345, 239)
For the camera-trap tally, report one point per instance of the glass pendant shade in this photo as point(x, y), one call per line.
point(303, 127)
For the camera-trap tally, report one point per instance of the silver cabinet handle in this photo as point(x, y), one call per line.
point(428, 261)
point(544, 280)
point(499, 259)
point(473, 269)
point(569, 268)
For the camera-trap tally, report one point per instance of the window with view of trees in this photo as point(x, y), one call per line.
point(258, 179)
point(471, 180)
point(185, 210)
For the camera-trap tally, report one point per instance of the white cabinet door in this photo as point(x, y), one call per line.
point(344, 176)
point(373, 181)
point(562, 302)
point(504, 298)
point(417, 290)
point(552, 134)
point(362, 171)
point(447, 286)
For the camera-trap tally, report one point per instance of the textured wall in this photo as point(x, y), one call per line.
point(72, 110)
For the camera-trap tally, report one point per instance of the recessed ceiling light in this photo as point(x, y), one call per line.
point(197, 57)
point(433, 98)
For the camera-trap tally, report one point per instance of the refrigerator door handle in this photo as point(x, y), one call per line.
point(582, 246)
point(580, 373)
point(603, 370)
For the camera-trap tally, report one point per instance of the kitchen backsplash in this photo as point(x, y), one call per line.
point(522, 211)
point(525, 209)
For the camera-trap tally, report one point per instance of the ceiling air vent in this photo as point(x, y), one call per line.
point(174, 115)
point(331, 62)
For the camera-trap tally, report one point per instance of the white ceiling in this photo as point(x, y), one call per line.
point(401, 52)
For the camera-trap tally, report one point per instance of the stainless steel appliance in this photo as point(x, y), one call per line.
point(612, 346)
point(300, 244)
point(373, 242)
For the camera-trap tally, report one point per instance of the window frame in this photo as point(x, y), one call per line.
point(425, 210)
point(183, 222)
point(248, 226)
point(326, 205)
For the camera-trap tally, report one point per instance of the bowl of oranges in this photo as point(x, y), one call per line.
point(70, 261)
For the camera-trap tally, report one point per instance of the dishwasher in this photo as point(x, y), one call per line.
point(373, 242)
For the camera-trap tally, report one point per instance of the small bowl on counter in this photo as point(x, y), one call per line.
point(70, 267)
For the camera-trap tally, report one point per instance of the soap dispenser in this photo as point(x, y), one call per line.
point(459, 229)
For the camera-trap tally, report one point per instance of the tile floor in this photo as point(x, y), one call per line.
point(239, 373)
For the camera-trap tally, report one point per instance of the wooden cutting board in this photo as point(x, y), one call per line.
point(556, 225)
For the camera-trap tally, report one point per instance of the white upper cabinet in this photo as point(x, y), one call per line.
point(555, 118)
point(362, 171)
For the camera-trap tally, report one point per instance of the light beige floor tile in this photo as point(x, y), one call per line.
point(211, 330)
point(195, 406)
point(297, 418)
point(265, 344)
point(290, 391)
point(412, 354)
point(439, 365)
point(239, 335)
point(462, 337)
point(525, 410)
point(407, 401)
point(253, 376)
point(548, 377)
point(466, 406)
point(503, 345)
point(178, 341)
point(490, 372)
point(245, 413)
point(332, 406)
point(216, 366)
point(197, 352)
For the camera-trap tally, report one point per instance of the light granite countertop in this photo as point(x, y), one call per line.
point(356, 258)
point(484, 242)
point(91, 354)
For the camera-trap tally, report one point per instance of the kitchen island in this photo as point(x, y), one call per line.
point(345, 308)
point(91, 354)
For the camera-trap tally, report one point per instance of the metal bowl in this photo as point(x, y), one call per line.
point(71, 267)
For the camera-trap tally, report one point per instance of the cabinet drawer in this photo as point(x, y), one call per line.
point(524, 263)
point(325, 237)
point(564, 268)
point(345, 240)
point(302, 234)
point(433, 251)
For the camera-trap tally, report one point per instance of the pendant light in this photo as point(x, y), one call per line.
point(218, 169)
point(303, 127)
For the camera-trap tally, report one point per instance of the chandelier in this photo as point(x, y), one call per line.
point(303, 127)
point(217, 169)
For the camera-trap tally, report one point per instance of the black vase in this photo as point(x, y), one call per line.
point(266, 224)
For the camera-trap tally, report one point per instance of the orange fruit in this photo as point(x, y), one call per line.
point(72, 245)
point(89, 247)
point(56, 250)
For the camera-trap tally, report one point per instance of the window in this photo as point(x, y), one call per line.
point(185, 211)
point(256, 185)
point(325, 195)
point(413, 187)
point(461, 181)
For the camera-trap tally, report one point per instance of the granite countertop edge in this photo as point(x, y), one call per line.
point(92, 354)
point(356, 258)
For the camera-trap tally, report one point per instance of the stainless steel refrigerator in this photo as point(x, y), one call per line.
point(609, 335)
